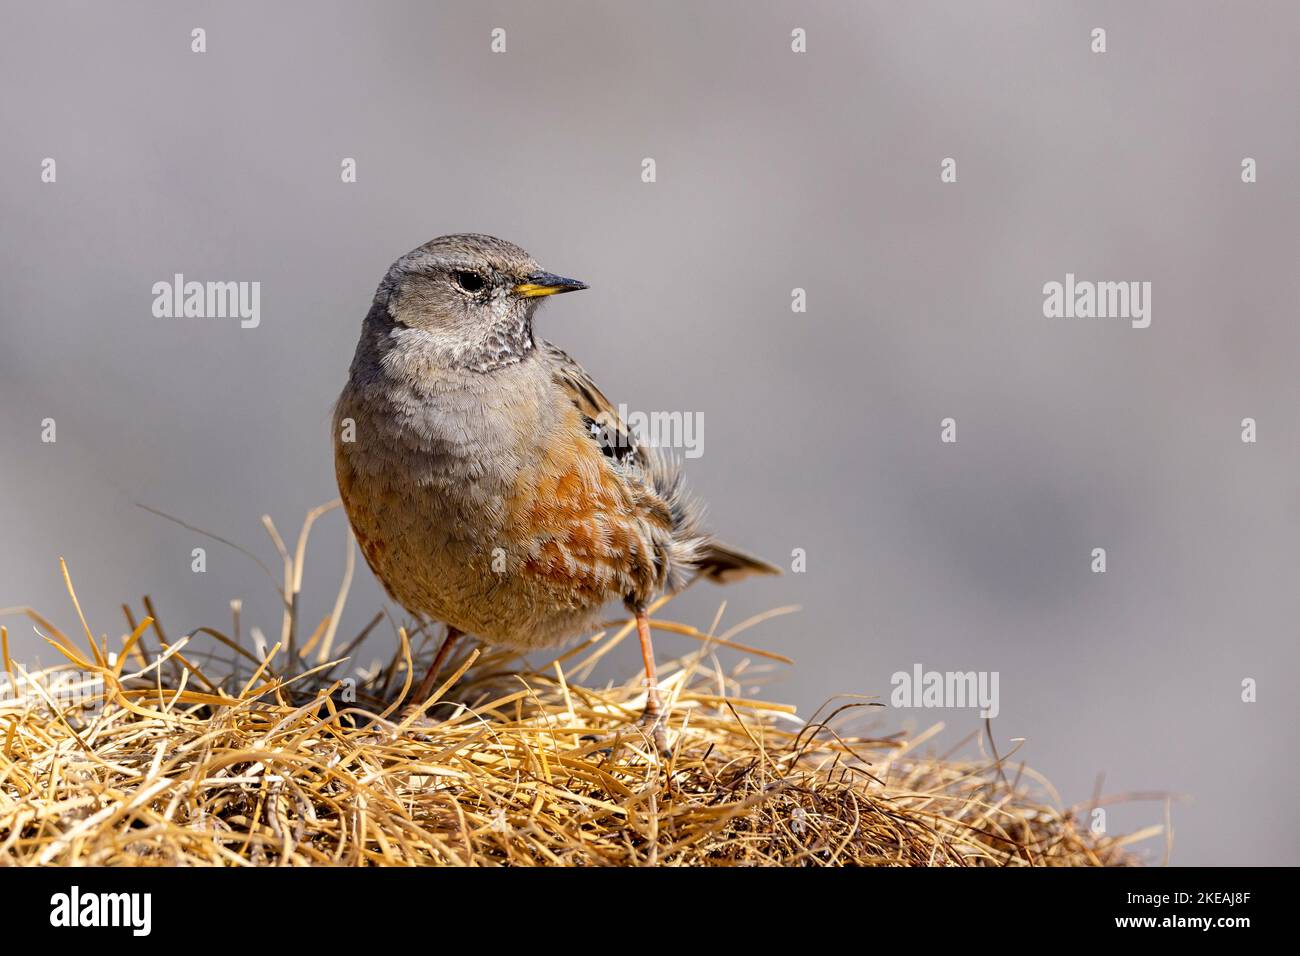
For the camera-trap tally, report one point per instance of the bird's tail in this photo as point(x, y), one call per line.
point(723, 564)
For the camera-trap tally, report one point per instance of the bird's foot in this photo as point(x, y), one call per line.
point(651, 727)
point(419, 723)
point(413, 713)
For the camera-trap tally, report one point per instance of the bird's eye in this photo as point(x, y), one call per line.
point(469, 281)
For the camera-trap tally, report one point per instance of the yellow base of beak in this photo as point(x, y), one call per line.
point(530, 289)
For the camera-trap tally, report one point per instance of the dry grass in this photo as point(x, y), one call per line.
point(282, 760)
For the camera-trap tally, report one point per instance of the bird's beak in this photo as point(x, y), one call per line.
point(545, 283)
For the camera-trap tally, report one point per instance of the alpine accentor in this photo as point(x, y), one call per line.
point(490, 484)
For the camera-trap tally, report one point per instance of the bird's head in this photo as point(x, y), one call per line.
point(469, 298)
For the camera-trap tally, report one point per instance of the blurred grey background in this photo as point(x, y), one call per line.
point(775, 170)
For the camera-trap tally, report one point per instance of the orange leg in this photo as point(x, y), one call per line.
point(653, 718)
point(426, 685)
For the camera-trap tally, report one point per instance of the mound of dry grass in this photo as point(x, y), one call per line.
point(290, 756)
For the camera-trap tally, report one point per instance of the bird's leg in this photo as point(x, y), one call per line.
point(426, 685)
point(652, 720)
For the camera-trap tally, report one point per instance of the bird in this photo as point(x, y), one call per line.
point(490, 485)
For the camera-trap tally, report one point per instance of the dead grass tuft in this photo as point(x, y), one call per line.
point(160, 753)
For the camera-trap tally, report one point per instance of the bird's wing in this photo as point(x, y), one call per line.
point(607, 429)
point(673, 519)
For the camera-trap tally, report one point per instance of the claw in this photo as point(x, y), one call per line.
point(653, 726)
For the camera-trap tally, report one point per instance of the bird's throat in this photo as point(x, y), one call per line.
point(506, 344)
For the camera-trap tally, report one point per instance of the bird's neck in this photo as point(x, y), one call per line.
point(506, 343)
